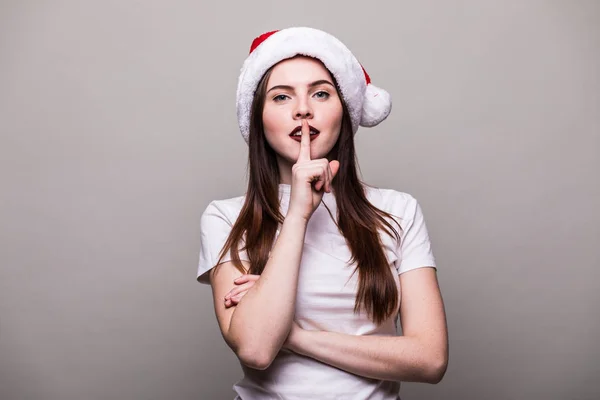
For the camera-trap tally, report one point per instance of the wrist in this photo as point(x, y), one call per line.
point(294, 219)
point(299, 341)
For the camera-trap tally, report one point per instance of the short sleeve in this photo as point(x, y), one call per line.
point(215, 227)
point(415, 247)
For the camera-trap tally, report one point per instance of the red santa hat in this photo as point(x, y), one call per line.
point(367, 104)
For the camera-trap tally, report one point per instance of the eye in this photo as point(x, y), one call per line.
point(321, 95)
point(280, 97)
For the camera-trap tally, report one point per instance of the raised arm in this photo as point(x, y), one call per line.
point(256, 328)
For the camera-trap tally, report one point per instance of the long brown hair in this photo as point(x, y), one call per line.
point(358, 220)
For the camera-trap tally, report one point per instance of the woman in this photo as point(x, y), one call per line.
point(307, 268)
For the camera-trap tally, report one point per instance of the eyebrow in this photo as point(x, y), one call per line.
point(310, 85)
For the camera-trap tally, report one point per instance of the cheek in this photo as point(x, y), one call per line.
point(333, 116)
point(272, 121)
point(267, 118)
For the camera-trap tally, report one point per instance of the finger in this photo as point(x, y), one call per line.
point(323, 182)
point(232, 301)
point(328, 175)
point(239, 289)
point(304, 142)
point(328, 180)
point(246, 278)
point(236, 299)
point(319, 183)
point(334, 167)
point(313, 172)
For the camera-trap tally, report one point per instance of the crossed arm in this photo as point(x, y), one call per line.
point(420, 355)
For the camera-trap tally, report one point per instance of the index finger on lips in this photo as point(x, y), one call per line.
point(304, 142)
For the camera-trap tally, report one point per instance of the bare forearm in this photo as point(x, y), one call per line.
point(395, 358)
point(262, 319)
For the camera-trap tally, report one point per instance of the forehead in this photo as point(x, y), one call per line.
point(299, 70)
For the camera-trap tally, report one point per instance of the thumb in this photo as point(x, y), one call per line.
point(334, 165)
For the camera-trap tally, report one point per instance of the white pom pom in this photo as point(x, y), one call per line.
point(376, 107)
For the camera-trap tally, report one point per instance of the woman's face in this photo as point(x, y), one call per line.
point(301, 88)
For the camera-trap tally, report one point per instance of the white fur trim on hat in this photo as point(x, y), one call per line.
point(367, 104)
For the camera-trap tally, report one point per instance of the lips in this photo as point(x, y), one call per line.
point(313, 131)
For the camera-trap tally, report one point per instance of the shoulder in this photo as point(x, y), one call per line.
point(395, 202)
point(226, 209)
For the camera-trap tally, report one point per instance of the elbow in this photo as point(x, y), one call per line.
point(255, 358)
point(435, 369)
point(250, 354)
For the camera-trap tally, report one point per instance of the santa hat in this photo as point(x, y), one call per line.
point(367, 104)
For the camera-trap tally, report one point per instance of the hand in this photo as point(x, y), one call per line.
point(305, 197)
point(243, 283)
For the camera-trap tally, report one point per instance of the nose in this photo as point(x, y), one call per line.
point(303, 110)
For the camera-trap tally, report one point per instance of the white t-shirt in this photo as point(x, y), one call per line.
point(326, 294)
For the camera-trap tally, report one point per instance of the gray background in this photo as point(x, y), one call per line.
point(118, 128)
